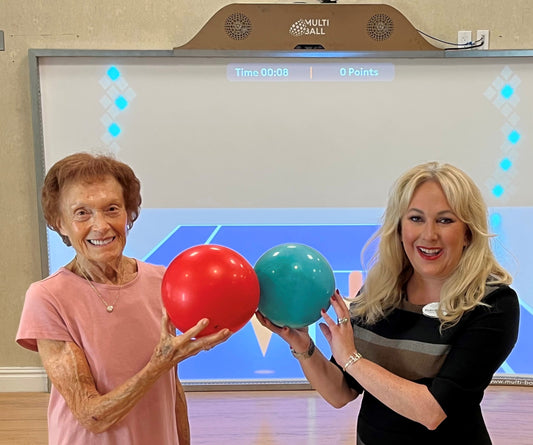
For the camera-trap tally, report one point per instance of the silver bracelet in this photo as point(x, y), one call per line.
point(305, 354)
point(356, 356)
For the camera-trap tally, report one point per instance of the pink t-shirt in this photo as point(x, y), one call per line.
point(117, 346)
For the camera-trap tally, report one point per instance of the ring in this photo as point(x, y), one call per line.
point(342, 321)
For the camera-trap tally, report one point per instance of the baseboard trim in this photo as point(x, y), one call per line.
point(23, 379)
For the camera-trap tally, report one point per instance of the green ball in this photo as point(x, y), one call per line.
point(296, 282)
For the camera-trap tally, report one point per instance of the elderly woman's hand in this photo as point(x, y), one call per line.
point(173, 349)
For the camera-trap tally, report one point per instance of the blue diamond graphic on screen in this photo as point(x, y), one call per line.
point(514, 137)
point(507, 91)
point(121, 102)
point(495, 219)
point(497, 190)
point(506, 164)
point(113, 73)
point(114, 129)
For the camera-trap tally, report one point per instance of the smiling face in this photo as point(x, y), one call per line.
point(94, 217)
point(433, 236)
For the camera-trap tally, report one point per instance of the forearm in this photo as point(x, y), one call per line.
point(324, 376)
point(69, 372)
point(100, 412)
point(182, 416)
point(327, 380)
point(409, 399)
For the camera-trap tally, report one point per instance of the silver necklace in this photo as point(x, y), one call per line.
point(109, 307)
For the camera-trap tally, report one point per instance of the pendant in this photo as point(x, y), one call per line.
point(110, 308)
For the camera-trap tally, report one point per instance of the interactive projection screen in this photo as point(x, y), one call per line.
point(250, 150)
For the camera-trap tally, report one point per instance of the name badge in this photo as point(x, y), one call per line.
point(430, 309)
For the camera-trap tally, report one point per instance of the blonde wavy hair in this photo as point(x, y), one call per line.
point(389, 269)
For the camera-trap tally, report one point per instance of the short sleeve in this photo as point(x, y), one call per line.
point(484, 339)
point(40, 318)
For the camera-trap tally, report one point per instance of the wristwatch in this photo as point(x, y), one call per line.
point(305, 354)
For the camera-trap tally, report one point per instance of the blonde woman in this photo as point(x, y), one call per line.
point(433, 322)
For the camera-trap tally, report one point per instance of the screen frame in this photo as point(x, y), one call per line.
point(36, 55)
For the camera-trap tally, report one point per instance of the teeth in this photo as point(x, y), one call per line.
point(99, 242)
point(429, 251)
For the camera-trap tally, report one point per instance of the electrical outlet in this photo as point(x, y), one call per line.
point(464, 37)
point(483, 34)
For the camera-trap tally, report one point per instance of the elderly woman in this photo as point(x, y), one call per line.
point(98, 323)
point(433, 322)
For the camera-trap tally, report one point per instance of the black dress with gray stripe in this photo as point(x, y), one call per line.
point(456, 365)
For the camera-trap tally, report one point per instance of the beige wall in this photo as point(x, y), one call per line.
point(134, 24)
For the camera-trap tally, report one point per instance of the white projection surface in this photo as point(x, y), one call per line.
point(254, 150)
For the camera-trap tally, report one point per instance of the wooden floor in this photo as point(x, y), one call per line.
point(272, 418)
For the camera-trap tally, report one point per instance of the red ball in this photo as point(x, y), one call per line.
point(210, 281)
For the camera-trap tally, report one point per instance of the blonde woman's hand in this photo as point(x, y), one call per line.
point(339, 334)
point(297, 338)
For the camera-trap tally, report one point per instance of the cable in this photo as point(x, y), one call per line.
point(468, 45)
point(475, 44)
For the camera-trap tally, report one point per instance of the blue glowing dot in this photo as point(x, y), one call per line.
point(506, 164)
point(114, 129)
point(514, 137)
point(497, 190)
point(507, 91)
point(113, 73)
point(495, 220)
point(121, 102)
